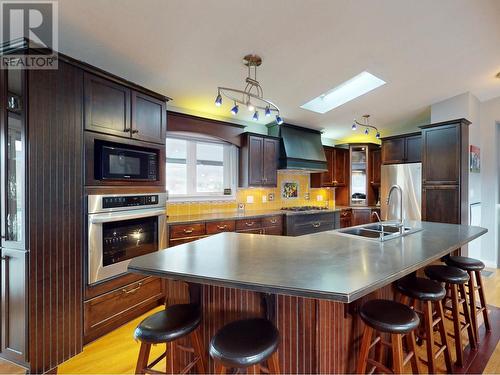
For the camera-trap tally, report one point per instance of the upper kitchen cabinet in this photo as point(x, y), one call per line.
point(149, 118)
point(107, 106)
point(375, 167)
point(259, 156)
point(402, 149)
point(113, 108)
point(338, 166)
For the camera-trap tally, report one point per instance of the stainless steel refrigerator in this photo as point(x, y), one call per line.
point(409, 177)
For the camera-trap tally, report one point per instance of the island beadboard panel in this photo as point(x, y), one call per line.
point(196, 208)
point(317, 336)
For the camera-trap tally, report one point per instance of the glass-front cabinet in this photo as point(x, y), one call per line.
point(359, 157)
point(14, 164)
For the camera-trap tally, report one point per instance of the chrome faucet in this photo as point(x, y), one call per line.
point(375, 213)
point(397, 187)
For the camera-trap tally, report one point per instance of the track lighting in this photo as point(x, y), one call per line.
point(218, 100)
point(366, 125)
point(367, 131)
point(377, 135)
point(354, 126)
point(252, 96)
point(279, 120)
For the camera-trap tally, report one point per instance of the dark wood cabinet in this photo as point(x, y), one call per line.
point(112, 108)
point(337, 160)
point(445, 172)
point(375, 166)
point(361, 216)
point(14, 305)
point(402, 149)
point(441, 203)
point(346, 218)
point(107, 106)
point(414, 149)
point(298, 225)
point(110, 310)
point(149, 118)
point(258, 160)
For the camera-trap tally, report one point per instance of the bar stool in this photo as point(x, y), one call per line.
point(165, 327)
point(431, 293)
point(455, 280)
point(246, 344)
point(396, 319)
point(473, 267)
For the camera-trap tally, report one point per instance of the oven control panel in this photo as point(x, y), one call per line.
point(129, 201)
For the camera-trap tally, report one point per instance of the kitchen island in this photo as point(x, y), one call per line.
point(311, 286)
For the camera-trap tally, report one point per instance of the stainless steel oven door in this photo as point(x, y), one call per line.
point(116, 237)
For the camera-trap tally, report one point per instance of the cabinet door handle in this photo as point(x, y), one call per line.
point(127, 130)
point(335, 181)
point(221, 227)
point(131, 291)
point(316, 225)
point(188, 231)
point(249, 223)
point(135, 131)
point(5, 257)
point(273, 221)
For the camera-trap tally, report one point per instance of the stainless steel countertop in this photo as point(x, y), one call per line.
point(184, 219)
point(323, 265)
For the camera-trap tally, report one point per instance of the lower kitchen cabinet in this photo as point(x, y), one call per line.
point(108, 311)
point(14, 305)
point(346, 217)
point(441, 204)
point(298, 225)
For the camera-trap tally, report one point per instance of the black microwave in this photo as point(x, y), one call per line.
point(114, 161)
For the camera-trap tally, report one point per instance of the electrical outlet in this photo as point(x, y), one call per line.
point(250, 199)
point(264, 198)
point(307, 196)
point(319, 198)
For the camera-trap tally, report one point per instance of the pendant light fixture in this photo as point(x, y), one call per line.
point(365, 124)
point(252, 96)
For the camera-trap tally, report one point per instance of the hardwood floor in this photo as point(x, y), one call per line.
point(116, 353)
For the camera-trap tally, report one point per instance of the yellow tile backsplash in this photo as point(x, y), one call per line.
point(317, 197)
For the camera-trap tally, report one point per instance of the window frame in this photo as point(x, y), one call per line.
point(230, 169)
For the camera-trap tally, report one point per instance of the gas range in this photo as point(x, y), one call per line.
point(303, 208)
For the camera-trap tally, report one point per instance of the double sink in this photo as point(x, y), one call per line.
point(378, 232)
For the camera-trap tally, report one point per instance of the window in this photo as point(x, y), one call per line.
point(200, 168)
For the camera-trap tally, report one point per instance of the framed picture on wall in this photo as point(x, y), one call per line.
point(475, 159)
point(290, 190)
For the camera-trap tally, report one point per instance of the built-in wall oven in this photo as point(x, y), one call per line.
point(121, 227)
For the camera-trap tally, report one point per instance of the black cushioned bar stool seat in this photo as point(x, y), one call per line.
point(446, 274)
point(399, 321)
point(389, 316)
point(465, 263)
point(170, 324)
point(245, 343)
point(421, 289)
point(166, 327)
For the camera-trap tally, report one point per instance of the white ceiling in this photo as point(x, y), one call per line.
point(425, 50)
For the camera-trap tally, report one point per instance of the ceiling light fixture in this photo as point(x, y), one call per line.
point(365, 124)
point(343, 93)
point(252, 96)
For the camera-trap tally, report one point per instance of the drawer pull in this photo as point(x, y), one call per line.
point(131, 291)
point(249, 223)
point(188, 231)
point(316, 225)
point(273, 221)
point(221, 227)
point(335, 181)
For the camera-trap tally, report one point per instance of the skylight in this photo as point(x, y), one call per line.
point(343, 93)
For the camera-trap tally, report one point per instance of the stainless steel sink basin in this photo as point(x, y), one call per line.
point(377, 232)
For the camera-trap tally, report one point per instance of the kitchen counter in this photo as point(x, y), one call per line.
point(184, 219)
point(325, 265)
